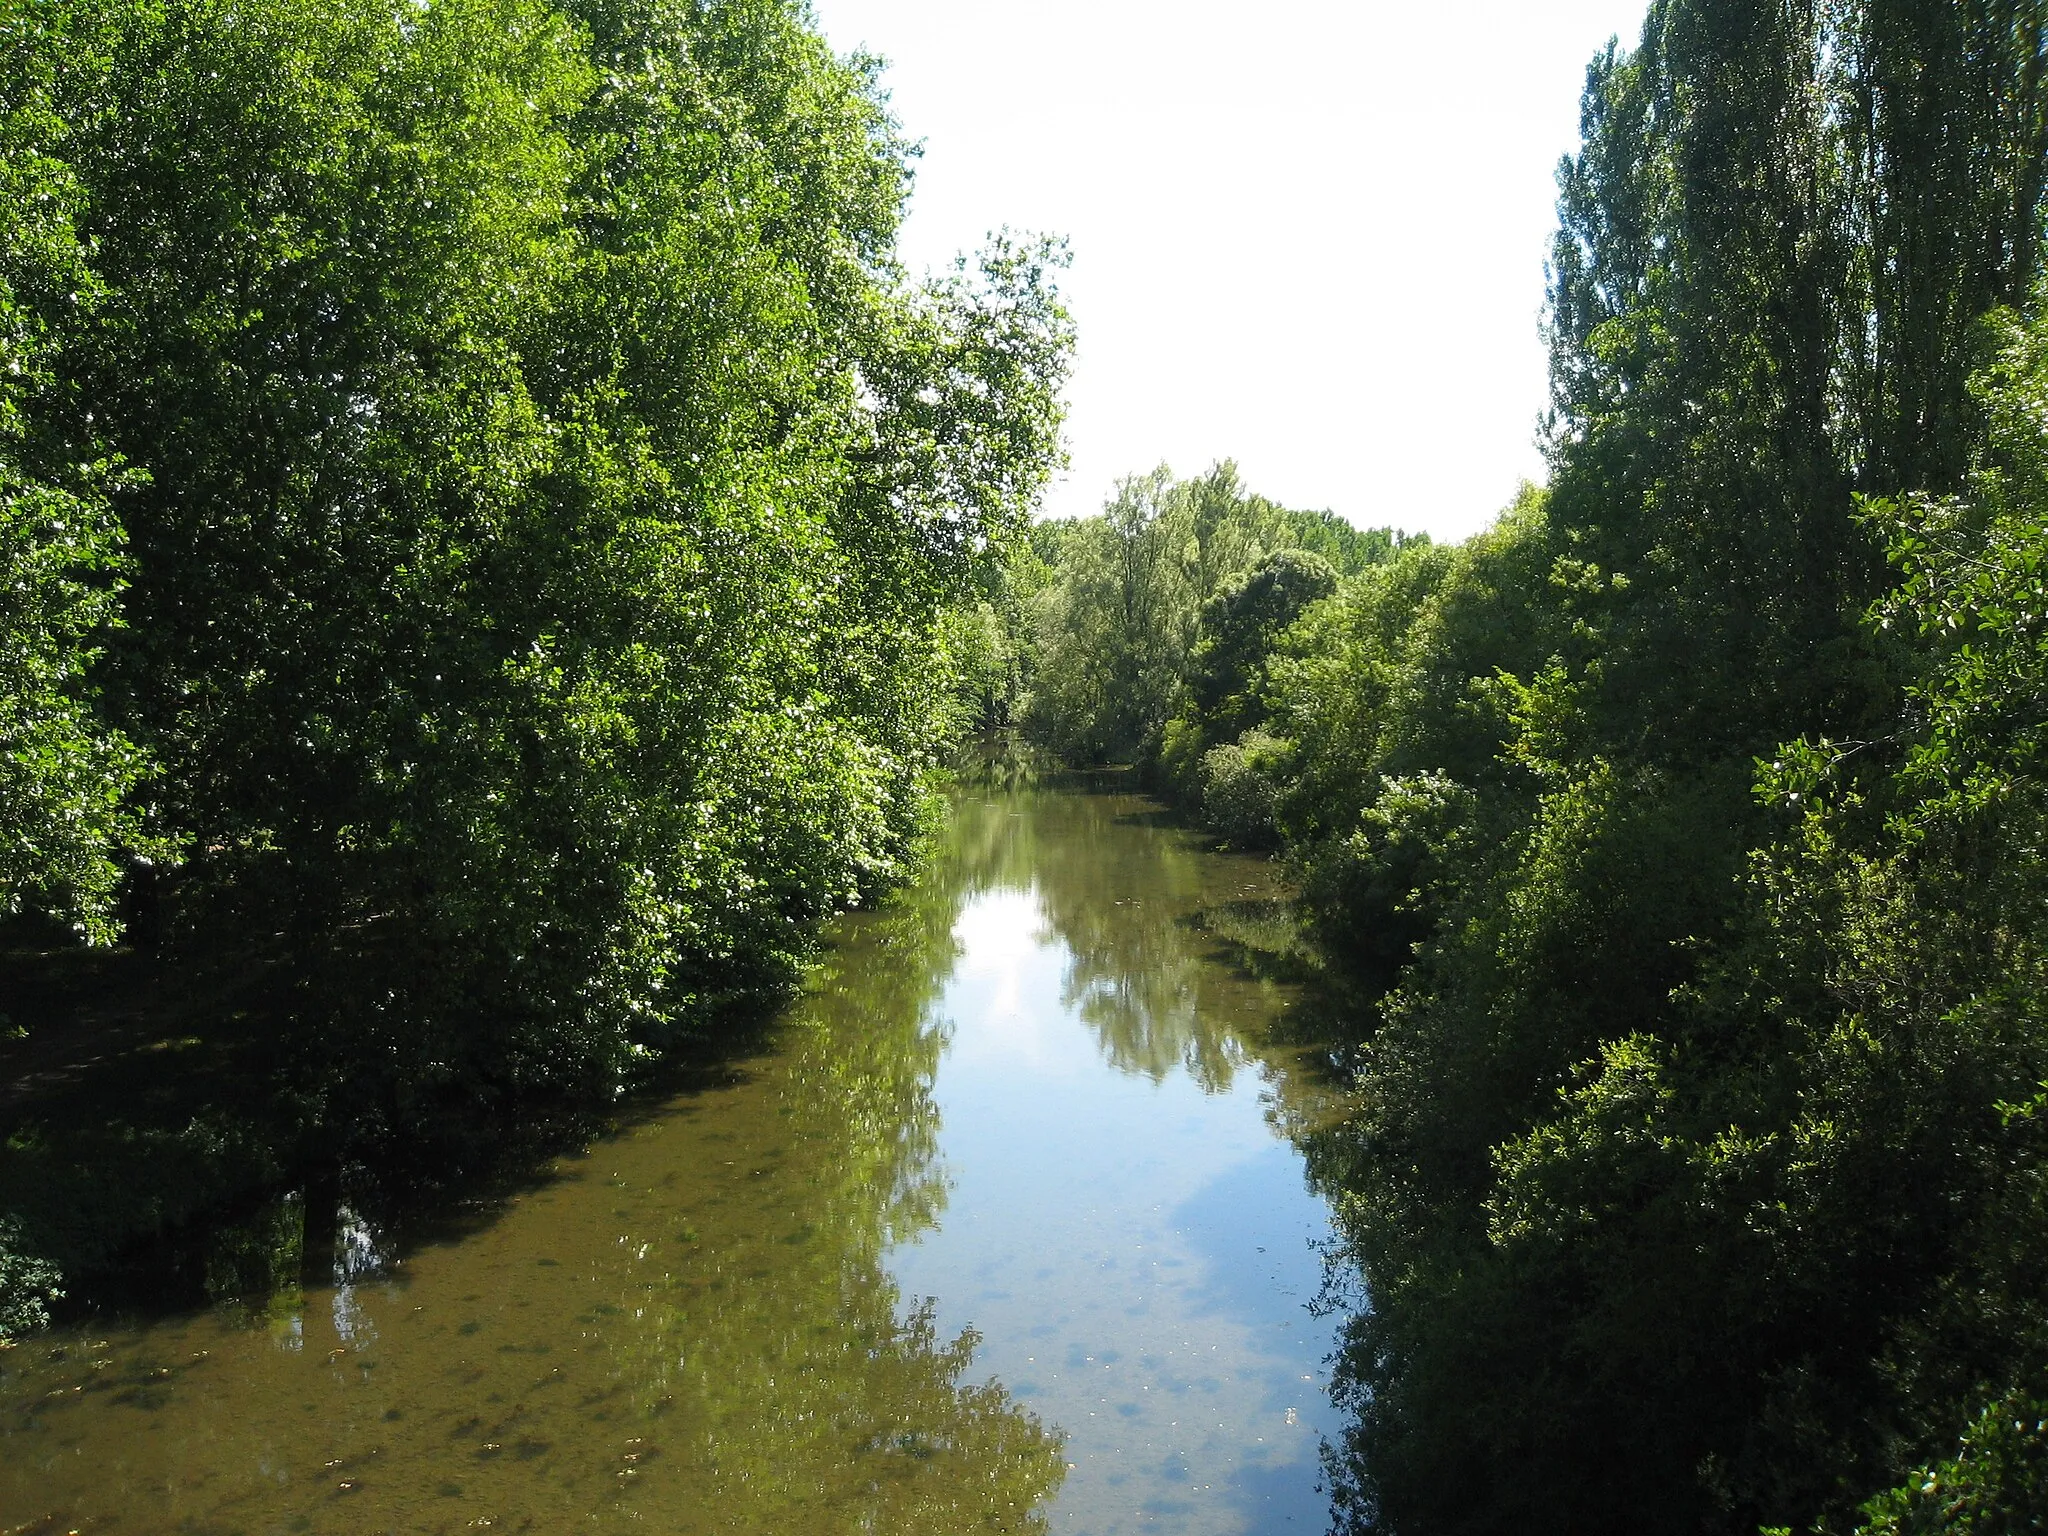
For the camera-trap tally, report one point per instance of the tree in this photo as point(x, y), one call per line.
point(65, 773)
point(1115, 631)
point(1119, 633)
point(1680, 1148)
point(548, 492)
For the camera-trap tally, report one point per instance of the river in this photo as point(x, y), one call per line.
point(1002, 1229)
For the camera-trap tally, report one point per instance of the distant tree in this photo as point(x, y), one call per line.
point(1114, 632)
point(1116, 635)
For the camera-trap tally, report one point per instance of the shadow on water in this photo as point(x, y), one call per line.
point(677, 1310)
point(170, 1140)
point(167, 1139)
point(685, 1321)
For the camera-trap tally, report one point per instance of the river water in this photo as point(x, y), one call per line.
point(1003, 1230)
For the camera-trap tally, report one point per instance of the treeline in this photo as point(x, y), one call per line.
point(1681, 838)
point(479, 503)
point(1134, 635)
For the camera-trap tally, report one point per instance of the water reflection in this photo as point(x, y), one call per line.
point(690, 1327)
point(1128, 900)
point(995, 1234)
point(1136, 1244)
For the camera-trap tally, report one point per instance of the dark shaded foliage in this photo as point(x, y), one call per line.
point(1683, 1185)
point(483, 510)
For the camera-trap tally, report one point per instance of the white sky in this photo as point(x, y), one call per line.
point(1308, 235)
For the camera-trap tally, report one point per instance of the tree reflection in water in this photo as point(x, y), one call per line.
point(694, 1325)
point(1137, 912)
point(689, 1328)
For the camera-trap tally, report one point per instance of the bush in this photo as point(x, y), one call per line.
point(1995, 1485)
point(27, 1285)
point(1240, 787)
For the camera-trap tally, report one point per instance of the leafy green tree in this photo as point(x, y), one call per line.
point(1115, 632)
point(64, 772)
point(1680, 1148)
point(478, 489)
point(550, 493)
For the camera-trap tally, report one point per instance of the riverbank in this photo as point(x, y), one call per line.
point(1000, 1224)
point(157, 1115)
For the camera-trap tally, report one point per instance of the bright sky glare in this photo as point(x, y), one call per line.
point(1308, 235)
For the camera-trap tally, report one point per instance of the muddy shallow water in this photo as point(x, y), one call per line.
point(1002, 1231)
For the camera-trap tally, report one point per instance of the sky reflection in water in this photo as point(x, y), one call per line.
point(1136, 1246)
point(999, 1236)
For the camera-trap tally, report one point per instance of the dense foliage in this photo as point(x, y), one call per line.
point(1141, 630)
point(1689, 1183)
point(1680, 838)
point(64, 771)
point(482, 506)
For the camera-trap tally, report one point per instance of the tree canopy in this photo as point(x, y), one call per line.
point(1676, 841)
point(481, 501)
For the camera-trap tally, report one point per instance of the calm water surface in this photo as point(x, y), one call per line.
point(1003, 1233)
